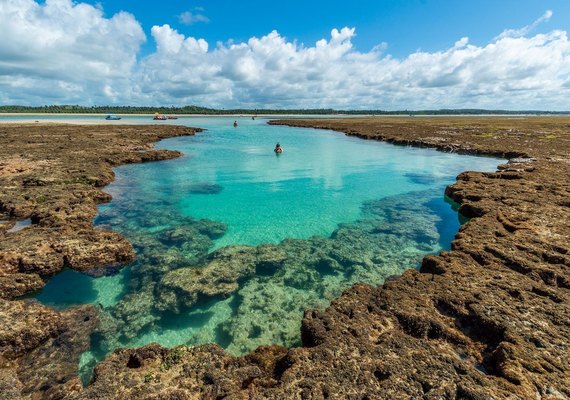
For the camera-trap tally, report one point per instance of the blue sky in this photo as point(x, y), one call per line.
point(405, 25)
point(365, 54)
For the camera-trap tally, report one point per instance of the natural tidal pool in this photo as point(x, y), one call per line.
point(234, 242)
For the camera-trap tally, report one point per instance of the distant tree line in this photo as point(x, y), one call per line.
point(192, 110)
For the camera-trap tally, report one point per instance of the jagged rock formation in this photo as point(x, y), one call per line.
point(247, 296)
point(52, 175)
point(488, 319)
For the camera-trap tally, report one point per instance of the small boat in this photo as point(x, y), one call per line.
point(160, 117)
point(112, 117)
point(171, 117)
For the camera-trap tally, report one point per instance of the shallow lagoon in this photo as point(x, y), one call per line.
point(233, 241)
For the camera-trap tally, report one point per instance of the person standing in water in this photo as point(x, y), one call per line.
point(278, 149)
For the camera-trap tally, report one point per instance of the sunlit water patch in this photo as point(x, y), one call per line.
point(233, 241)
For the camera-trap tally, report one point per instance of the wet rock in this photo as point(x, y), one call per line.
point(40, 348)
point(219, 277)
point(95, 249)
point(134, 312)
point(25, 326)
point(484, 320)
point(10, 386)
point(212, 229)
point(268, 313)
point(18, 284)
point(521, 160)
point(179, 235)
point(57, 186)
point(51, 174)
point(55, 362)
point(104, 270)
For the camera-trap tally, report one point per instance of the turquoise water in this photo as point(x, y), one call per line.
point(233, 241)
point(319, 181)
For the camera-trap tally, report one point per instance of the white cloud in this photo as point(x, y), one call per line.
point(189, 18)
point(526, 29)
point(170, 41)
point(510, 72)
point(63, 50)
point(69, 53)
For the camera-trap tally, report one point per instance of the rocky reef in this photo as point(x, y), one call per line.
point(263, 289)
point(51, 175)
point(488, 319)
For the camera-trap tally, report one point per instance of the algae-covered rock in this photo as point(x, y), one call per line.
point(311, 273)
point(485, 320)
point(268, 313)
point(219, 277)
point(25, 325)
point(53, 366)
point(40, 347)
point(18, 284)
point(135, 312)
point(212, 229)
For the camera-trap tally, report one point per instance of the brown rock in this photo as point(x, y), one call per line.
point(51, 174)
point(488, 319)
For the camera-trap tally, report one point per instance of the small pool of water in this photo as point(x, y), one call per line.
point(19, 225)
point(233, 241)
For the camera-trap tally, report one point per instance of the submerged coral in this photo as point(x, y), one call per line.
point(246, 296)
point(205, 188)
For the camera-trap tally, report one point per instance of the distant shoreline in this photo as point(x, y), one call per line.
point(284, 115)
point(193, 110)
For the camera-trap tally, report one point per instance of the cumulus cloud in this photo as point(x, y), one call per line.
point(511, 72)
point(189, 18)
point(65, 52)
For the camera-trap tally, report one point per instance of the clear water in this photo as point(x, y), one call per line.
point(20, 225)
point(233, 241)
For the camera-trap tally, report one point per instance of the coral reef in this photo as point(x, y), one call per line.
point(52, 174)
point(490, 318)
point(487, 319)
point(262, 291)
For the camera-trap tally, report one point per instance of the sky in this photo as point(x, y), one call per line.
point(383, 54)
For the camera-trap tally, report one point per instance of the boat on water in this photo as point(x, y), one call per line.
point(172, 117)
point(160, 117)
point(112, 117)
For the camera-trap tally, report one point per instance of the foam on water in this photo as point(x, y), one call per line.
point(336, 210)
